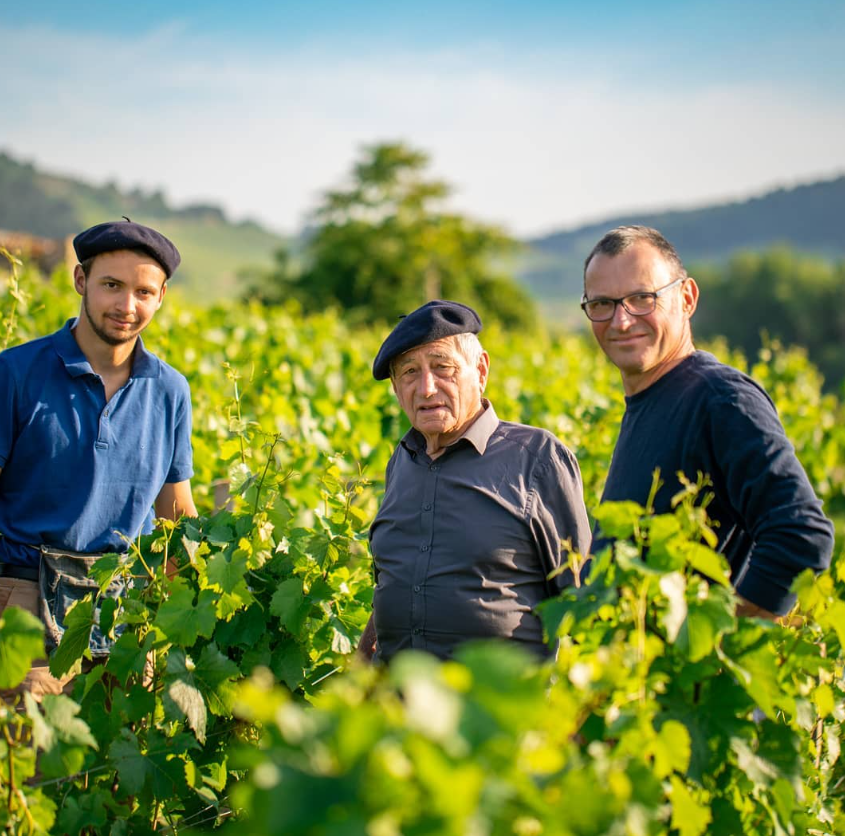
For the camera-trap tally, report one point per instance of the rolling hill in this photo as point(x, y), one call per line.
point(807, 218)
point(214, 250)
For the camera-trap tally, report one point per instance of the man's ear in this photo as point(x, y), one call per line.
point(79, 279)
point(161, 295)
point(483, 369)
point(689, 296)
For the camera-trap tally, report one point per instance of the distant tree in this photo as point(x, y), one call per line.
point(792, 297)
point(384, 245)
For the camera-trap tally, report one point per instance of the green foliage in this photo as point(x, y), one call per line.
point(777, 294)
point(633, 729)
point(232, 692)
point(383, 247)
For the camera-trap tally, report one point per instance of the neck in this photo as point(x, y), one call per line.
point(635, 383)
point(106, 360)
point(436, 443)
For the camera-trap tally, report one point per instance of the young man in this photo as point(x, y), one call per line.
point(474, 510)
point(94, 430)
point(687, 412)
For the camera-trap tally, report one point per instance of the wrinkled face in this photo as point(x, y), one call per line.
point(120, 295)
point(641, 345)
point(438, 390)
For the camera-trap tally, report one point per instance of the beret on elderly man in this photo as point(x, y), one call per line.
point(432, 321)
point(467, 540)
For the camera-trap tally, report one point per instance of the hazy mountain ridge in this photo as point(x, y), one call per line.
point(809, 218)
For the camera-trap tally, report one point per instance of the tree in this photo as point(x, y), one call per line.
point(384, 246)
point(789, 296)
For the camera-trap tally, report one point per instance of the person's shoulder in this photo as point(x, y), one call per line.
point(169, 377)
point(724, 382)
point(24, 354)
point(531, 441)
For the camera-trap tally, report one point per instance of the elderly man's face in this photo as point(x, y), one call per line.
point(438, 390)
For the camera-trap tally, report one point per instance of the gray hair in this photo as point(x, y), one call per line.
point(468, 346)
point(620, 239)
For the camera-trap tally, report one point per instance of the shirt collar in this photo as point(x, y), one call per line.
point(478, 435)
point(143, 363)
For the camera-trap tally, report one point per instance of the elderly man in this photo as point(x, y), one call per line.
point(475, 509)
point(95, 431)
point(687, 412)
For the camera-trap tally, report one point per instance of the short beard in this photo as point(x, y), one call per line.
point(106, 338)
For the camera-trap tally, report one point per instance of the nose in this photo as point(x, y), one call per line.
point(126, 303)
point(426, 385)
point(621, 318)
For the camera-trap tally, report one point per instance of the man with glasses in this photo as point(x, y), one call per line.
point(686, 412)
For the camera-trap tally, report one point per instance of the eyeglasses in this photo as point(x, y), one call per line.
point(636, 304)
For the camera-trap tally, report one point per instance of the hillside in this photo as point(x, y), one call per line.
point(807, 218)
point(214, 250)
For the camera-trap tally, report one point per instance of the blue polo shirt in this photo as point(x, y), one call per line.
point(78, 473)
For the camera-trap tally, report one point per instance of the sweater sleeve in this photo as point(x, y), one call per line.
point(769, 493)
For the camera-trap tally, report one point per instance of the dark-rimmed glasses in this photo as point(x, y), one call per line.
point(636, 304)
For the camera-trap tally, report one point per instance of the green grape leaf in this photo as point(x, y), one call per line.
point(181, 620)
point(226, 571)
point(689, 817)
point(130, 763)
point(108, 567)
point(79, 620)
point(711, 564)
point(288, 663)
point(618, 520)
point(21, 643)
point(181, 687)
point(108, 606)
point(290, 605)
point(128, 657)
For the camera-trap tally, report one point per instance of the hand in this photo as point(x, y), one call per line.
point(745, 609)
point(367, 645)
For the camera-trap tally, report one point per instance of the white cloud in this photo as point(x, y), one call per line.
point(527, 143)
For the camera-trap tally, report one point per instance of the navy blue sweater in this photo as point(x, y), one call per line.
point(704, 416)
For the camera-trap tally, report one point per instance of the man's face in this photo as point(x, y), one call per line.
point(438, 390)
point(642, 347)
point(120, 295)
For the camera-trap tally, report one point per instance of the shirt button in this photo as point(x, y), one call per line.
point(434, 467)
point(417, 588)
point(427, 506)
point(423, 548)
point(106, 413)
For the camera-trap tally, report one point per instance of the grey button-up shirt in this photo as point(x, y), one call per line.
point(463, 544)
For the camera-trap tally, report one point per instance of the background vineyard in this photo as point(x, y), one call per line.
point(256, 710)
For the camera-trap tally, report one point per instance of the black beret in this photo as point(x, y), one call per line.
point(127, 235)
point(431, 322)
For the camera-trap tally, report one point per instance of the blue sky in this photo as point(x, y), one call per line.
point(541, 114)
